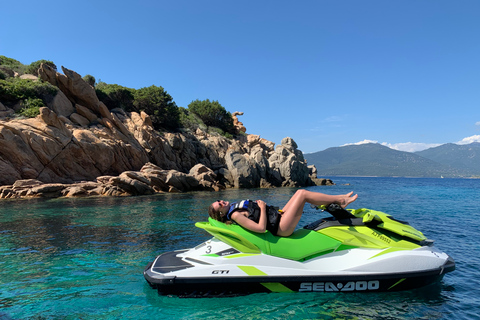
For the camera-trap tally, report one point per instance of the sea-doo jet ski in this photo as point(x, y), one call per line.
point(358, 250)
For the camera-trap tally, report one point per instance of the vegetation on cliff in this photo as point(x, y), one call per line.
point(212, 113)
point(26, 95)
point(23, 94)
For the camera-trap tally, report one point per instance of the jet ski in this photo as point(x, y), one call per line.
point(354, 250)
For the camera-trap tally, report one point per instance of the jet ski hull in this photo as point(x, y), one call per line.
point(172, 274)
point(246, 285)
point(368, 251)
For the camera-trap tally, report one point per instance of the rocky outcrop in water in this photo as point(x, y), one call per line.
point(77, 147)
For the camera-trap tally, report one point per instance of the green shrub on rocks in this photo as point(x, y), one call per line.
point(115, 96)
point(159, 105)
point(31, 108)
point(18, 67)
point(26, 94)
point(34, 66)
point(88, 78)
point(153, 100)
point(13, 90)
point(189, 121)
point(213, 130)
point(12, 65)
point(213, 114)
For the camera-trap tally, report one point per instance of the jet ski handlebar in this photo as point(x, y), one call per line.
point(336, 211)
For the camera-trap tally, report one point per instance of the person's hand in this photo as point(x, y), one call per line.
point(262, 204)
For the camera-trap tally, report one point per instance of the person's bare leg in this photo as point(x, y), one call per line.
point(293, 210)
point(317, 198)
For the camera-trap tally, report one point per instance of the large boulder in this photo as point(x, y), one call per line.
point(77, 90)
point(243, 172)
point(182, 181)
point(133, 182)
point(290, 163)
point(206, 177)
point(61, 105)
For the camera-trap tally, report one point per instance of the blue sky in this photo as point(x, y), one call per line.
point(326, 73)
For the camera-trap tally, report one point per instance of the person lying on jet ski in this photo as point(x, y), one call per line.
point(256, 216)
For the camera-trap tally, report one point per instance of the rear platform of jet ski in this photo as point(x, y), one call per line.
point(368, 251)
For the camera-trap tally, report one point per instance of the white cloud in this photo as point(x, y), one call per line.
point(360, 142)
point(477, 123)
point(469, 140)
point(410, 146)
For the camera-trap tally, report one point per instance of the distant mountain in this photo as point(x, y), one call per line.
point(373, 159)
point(465, 156)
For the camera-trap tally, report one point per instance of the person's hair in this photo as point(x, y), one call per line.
point(217, 215)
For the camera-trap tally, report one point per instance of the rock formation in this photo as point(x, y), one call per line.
point(236, 123)
point(77, 147)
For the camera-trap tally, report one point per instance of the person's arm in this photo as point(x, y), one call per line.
point(251, 225)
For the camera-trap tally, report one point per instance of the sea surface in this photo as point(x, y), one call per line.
point(84, 258)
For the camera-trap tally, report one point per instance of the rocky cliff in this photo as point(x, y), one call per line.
point(77, 147)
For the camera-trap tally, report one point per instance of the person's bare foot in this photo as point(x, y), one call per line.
point(348, 199)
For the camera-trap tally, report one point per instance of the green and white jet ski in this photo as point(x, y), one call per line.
point(358, 250)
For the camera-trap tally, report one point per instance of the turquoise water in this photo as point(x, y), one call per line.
point(84, 258)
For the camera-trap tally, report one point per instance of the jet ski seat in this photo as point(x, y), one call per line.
point(300, 246)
